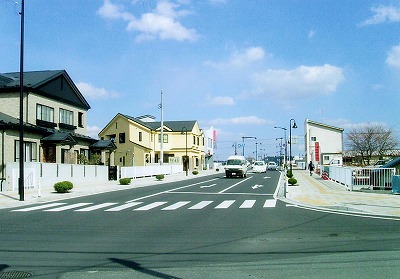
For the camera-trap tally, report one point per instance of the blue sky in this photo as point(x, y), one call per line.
point(242, 67)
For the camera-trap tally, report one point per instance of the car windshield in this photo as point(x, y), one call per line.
point(259, 163)
point(234, 162)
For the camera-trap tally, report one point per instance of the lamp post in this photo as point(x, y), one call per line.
point(257, 143)
point(280, 152)
point(184, 131)
point(243, 142)
point(21, 109)
point(285, 154)
point(290, 140)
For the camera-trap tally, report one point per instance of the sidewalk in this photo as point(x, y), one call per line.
point(313, 191)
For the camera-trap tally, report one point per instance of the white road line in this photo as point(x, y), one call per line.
point(40, 206)
point(122, 207)
point(66, 207)
point(150, 206)
point(225, 204)
point(220, 192)
point(176, 205)
point(201, 205)
point(270, 203)
point(163, 192)
point(98, 206)
point(248, 204)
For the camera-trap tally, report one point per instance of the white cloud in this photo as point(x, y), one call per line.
point(383, 14)
point(311, 34)
point(95, 93)
point(303, 81)
point(162, 23)
point(240, 58)
point(93, 131)
point(252, 120)
point(220, 101)
point(393, 58)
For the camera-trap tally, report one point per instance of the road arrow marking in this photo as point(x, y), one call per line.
point(257, 186)
point(208, 186)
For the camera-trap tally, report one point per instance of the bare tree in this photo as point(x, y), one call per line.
point(370, 140)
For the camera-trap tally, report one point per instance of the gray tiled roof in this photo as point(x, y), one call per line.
point(37, 80)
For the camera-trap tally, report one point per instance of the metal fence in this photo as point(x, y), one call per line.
point(357, 178)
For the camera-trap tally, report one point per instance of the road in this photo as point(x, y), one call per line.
point(207, 227)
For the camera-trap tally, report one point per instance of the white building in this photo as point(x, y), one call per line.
point(323, 144)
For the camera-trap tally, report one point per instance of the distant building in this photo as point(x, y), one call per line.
point(138, 141)
point(323, 143)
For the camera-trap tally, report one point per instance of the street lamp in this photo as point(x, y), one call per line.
point(257, 143)
point(243, 142)
point(284, 158)
point(184, 131)
point(290, 140)
point(280, 153)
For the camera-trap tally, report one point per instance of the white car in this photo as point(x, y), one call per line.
point(272, 166)
point(259, 166)
point(236, 166)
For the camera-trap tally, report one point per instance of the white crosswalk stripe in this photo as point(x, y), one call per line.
point(141, 206)
point(201, 205)
point(270, 203)
point(150, 206)
point(176, 205)
point(66, 207)
point(124, 206)
point(225, 204)
point(95, 207)
point(40, 207)
point(248, 204)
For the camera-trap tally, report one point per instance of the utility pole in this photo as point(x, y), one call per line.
point(162, 130)
point(21, 110)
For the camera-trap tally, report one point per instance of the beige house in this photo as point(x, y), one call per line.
point(138, 141)
point(55, 124)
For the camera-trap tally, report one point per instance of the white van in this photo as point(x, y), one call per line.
point(236, 166)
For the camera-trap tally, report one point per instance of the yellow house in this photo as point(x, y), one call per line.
point(138, 141)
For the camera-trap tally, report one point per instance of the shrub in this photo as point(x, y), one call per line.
point(195, 172)
point(292, 181)
point(289, 174)
point(160, 176)
point(125, 181)
point(63, 186)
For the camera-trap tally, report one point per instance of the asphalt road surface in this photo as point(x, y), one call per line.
point(207, 227)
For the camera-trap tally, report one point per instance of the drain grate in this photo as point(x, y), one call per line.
point(13, 274)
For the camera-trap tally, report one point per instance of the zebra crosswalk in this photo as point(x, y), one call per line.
point(142, 206)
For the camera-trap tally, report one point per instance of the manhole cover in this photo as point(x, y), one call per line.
point(14, 274)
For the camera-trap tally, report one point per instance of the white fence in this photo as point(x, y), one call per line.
point(44, 175)
point(357, 178)
point(150, 170)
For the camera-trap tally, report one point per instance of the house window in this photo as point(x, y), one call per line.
point(140, 136)
point(194, 140)
point(30, 154)
point(121, 138)
point(66, 117)
point(80, 119)
point(44, 113)
point(165, 136)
